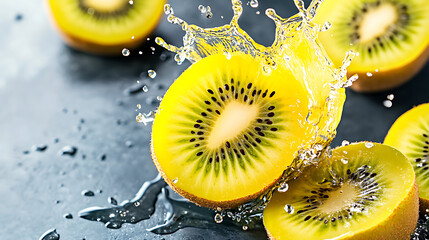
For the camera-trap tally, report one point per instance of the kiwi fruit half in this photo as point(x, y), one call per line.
point(226, 129)
point(390, 36)
point(105, 26)
point(410, 135)
point(372, 196)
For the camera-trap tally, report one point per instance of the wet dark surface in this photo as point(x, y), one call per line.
point(67, 122)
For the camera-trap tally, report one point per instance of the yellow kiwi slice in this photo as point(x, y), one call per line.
point(226, 130)
point(391, 37)
point(410, 135)
point(105, 26)
point(374, 196)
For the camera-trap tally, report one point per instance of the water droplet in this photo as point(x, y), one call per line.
point(245, 227)
point(139, 106)
point(18, 17)
point(376, 70)
point(91, 11)
point(145, 118)
point(344, 160)
point(39, 147)
point(218, 218)
point(159, 98)
point(326, 26)
point(258, 12)
point(68, 150)
point(151, 73)
point(254, 3)
point(140, 52)
point(387, 103)
point(369, 74)
point(102, 157)
point(152, 48)
point(50, 235)
point(68, 216)
point(289, 209)
point(369, 144)
point(132, 37)
point(88, 193)
point(390, 97)
point(145, 88)
point(131, 2)
point(345, 143)
point(129, 144)
point(168, 9)
point(175, 180)
point(202, 9)
point(283, 187)
point(125, 52)
point(137, 204)
point(209, 13)
point(112, 201)
point(221, 17)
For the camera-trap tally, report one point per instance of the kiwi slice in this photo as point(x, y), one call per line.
point(226, 130)
point(410, 135)
point(373, 196)
point(390, 36)
point(105, 26)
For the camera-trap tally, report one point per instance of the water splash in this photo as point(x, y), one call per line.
point(295, 48)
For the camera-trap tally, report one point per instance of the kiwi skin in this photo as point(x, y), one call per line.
point(399, 225)
point(98, 49)
point(205, 202)
point(386, 80)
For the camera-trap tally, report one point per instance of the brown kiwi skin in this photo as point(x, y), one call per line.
point(400, 224)
point(382, 81)
point(205, 202)
point(98, 49)
point(424, 206)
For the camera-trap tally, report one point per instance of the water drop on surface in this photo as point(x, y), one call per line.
point(50, 235)
point(131, 2)
point(129, 144)
point(139, 106)
point(202, 9)
point(369, 74)
point(88, 193)
point(125, 52)
point(283, 187)
point(140, 52)
point(175, 180)
point(245, 227)
point(209, 13)
point(254, 3)
point(151, 73)
point(390, 97)
point(132, 37)
point(68, 150)
point(103, 157)
point(218, 218)
point(68, 216)
point(39, 147)
point(376, 70)
point(345, 143)
point(258, 12)
point(159, 98)
point(289, 209)
point(145, 88)
point(387, 103)
point(369, 144)
point(112, 201)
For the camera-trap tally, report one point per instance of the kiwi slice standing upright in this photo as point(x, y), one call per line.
point(410, 135)
point(226, 130)
point(373, 196)
point(105, 26)
point(391, 37)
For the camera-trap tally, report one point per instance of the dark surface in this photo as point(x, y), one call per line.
point(49, 91)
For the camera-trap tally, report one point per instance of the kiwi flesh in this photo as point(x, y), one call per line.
point(390, 36)
point(105, 26)
point(226, 130)
point(410, 135)
point(373, 196)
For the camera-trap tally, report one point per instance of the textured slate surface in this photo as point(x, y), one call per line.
point(49, 91)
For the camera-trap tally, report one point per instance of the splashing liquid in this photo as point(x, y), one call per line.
point(296, 48)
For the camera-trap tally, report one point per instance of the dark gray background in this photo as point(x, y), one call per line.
point(46, 89)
